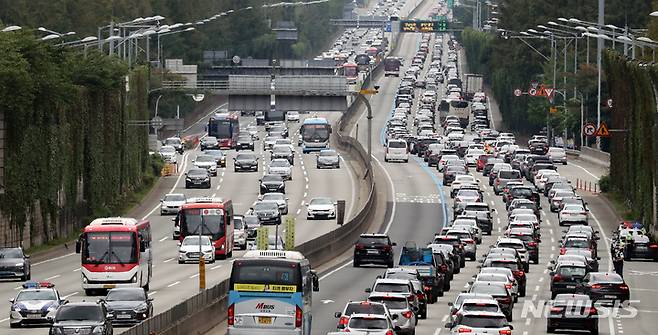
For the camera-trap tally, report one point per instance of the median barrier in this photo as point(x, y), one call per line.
point(591, 155)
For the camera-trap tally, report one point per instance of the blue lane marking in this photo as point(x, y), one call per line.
point(438, 182)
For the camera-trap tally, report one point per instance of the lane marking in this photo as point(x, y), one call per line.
point(584, 169)
point(52, 277)
point(53, 259)
point(163, 239)
point(527, 321)
point(215, 267)
point(193, 276)
point(70, 295)
point(77, 270)
point(168, 260)
point(173, 284)
point(152, 292)
point(541, 279)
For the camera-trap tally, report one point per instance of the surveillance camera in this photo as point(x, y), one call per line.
point(376, 87)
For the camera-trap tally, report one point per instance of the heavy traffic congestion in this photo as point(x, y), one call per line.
point(478, 229)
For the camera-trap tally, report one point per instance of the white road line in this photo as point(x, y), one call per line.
point(393, 205)
point(493, 203)
point(552, 248)
point(537, 288)
point(78, 269)
point(299, 210)
point(70, 295)
point(168, 260)
point(551, 231)
point(163, 239)
point(305, 194)
point(215, 267)
point(4, 320)
point(437, 331)
point(586, 171)
point(180, 175)
point(444, 319)
point(53, 259)
point(335, 270)
point(543, 213)
point(534, 297)
point(548, 222)
point(305, 173)
point(527, 321)
point(193, 276)
point(152, 292)
point(52, 277)
point(525, 332)
point(173, 284)
point(213, 195)
point(551, 256)
point(541, 279)
point(552, 239)
point(306, 178)
point(18, 287)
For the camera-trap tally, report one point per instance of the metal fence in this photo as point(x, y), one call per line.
point(327, 85)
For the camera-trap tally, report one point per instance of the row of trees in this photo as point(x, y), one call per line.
point(245, 33)
point(69, 151)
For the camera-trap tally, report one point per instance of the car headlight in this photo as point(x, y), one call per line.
point(134, 278)
point(141, 308)
point(57, 331)
point(188, 179)
point(20, 264)
point(98, 330)
point(16, 309)
point(207, 179)
point(52, 308)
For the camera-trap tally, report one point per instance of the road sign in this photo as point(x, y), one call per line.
point(534, 84)
point(549, 92)
point(603, 130)
point(368, 91)
point(518, 92)
point(532, 92)
point(589, 129)
point(388, 28)
point(553, 110)
point(157, 123)
point(422, 26)
point(290, 233)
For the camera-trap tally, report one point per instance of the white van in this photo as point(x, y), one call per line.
point(396, 150)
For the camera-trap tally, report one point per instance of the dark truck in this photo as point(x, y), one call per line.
point(422, 259)
point(392, 67)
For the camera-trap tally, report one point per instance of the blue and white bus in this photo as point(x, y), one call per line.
point(270, 292)
point(315, 133)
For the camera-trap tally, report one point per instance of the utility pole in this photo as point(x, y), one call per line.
point(599, 50)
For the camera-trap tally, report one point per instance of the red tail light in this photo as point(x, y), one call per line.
point(557, 278)
point(343, 321)
point(653, 246)
point(464, 330)
point(505, 332)
point(623, 287)
point(427, 288)
point(389, 332)
point(444, 268)
point(505, 300)
point(407, 314)
point(231, 315)
point(508, 286)
point(595, 286)
point(593, 311)
point(359, 246)
point(469, 241)
point(532, 244)
point(387, 248)
point(410, 298)
point(519, 273)
point(497, 181)
point(298, 317)
point(563, 251)
point(420, 296)
point(556, 309)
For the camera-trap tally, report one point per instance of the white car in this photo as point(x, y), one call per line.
point(472, 156)
point(396, 150)
point(188, 250)
point(557, 155)
point(321, 207)
point(281, 167)
point(206, 162)
point(280, 199)
point(572, 214)
point(292, 116)
point(168, 154)
point(171, 203)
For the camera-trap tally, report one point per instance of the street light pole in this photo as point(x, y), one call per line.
point(599, 50)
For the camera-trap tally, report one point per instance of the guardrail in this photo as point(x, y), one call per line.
point(591, 155)
point(262, 85)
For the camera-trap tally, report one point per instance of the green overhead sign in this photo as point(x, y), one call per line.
point(423, 26)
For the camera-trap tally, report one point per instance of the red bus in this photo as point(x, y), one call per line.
point(351, 72)
point(116, 252)
point(226, 128)
point(214, 216)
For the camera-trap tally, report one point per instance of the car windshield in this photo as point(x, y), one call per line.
point(79, 313)
point(510, 265)
point(390, 287)
point(251, 221)
point(576, 243)
point(205, 158)
point(36, 295)
point(521, 192)
point(11, 253)
point(197, 173)
point(486, 288)
point(368, 323)
point(391, 302)
point(280, 163)
point(210, 140)
point(282, 148)
point(214, 153)
point(321, 201)
point(194, 240)
point(571, 271)
point(397, 144)
point(272, 178)
point(573, 208)
point(174, 197)
point(238, 223)
point(266, 206)
point(373, 240)
point(479, 307)
point(172, 141)
point(364, 308)
point(245, 157)
point(126, 295)
point(329, 153)
point(606, 278)
point(168, 150)
point(483, 321)
point(273, 197)
point(509, 174)
point(525, 217)
point(468, 193)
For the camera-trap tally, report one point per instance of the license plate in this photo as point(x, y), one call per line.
point(571, 286)
point(265, 320)
point(608, 296)
point(34, 316)
point(109, 286)
point(373, 252)
point(123, 316)
point(197, 182)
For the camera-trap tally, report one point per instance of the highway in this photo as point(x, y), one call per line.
point(420, 204)
point(173, 282)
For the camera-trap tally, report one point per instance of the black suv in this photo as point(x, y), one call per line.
point(245, 162)
point(128, 305)
point(374, 248)
point(82, 318)
point(245, 142)
point(566, 277)
point(199, 178)
point(272, 183)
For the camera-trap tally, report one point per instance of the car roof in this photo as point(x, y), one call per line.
point(373, 235)
point(482, 313)
point(391, 281)
point(368, 316)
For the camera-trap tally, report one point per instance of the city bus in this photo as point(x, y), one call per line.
point(315, 134)
point(270, 292)
point(116, 252)
point(226, 128)
point(214, 216)
point(351, 72)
